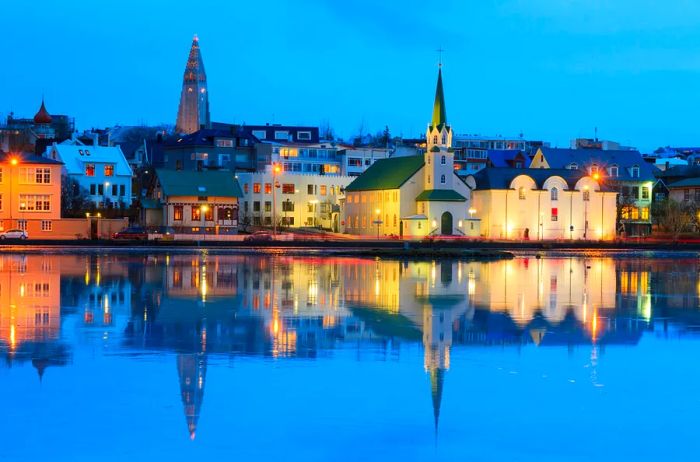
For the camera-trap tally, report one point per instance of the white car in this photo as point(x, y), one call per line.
point(13, 234)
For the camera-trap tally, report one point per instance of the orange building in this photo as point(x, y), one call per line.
point(30, 193)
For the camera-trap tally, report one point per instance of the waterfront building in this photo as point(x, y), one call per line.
point(354, 161)
point(685, 191)
point(413, 196)
point(102, 171)
point(193, 202)
point(297, 199)
point(624, 171)
point(535, 204)
point(30, 193)
point(193, 113)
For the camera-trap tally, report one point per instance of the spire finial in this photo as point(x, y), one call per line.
point(195, 38)
point(440, 51)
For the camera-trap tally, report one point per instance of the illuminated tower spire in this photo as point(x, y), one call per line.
point(192, 369)
point(193, 113)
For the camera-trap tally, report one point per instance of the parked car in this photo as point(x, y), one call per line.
point(158, 233)
point(259, 236)
point(14, 234)
point(136, 233)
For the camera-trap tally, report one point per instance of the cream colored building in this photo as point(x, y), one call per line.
point(542, 204)
point(413, 196)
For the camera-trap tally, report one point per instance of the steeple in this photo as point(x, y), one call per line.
point(437, 381)
point(439, 113)
point(193, 113)
point(192, 370)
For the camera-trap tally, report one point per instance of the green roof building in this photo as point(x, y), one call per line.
point(413, 196)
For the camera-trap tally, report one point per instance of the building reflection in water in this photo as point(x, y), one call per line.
point(196, 305)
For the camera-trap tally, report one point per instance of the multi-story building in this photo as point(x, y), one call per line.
point(210, 149)
point(35, 134)
point(30, 193)
point(623, 171)
point(472, 151)
point(354, 161)
point(597, 144)
point(102, 171)
point(297, 199)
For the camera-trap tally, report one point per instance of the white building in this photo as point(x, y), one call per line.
point(102, 171)
point(300, 200)
point(354, 161)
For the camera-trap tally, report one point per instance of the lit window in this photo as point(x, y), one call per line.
point(324, 189)
point(109, 170)
point(521, 193)
point(268, 188)
point(196, 213)
point(256, 188)
point(90, 170)
point(177, 212)
point(288, 188)
point(46, 225)
point(645, 213)
point(586, 195)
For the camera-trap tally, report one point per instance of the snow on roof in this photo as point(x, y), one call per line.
point(75, 155)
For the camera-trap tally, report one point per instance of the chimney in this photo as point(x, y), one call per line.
point(95, 139)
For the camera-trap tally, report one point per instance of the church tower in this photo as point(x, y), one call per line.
point(193, 113)
point(439, 158)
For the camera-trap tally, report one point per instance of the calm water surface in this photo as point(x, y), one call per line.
point(215, 356)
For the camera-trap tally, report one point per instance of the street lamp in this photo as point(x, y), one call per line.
point(472, 211)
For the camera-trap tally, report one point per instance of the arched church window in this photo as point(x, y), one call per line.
point(444, 138)
point(435, 139)
point(442, 179)
point(428, 179)
point(443, 160)
point(554, 194)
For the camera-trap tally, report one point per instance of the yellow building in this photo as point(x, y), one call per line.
point(541, 204)
point(30, 193)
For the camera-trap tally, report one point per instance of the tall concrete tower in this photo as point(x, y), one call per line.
point(193, 113)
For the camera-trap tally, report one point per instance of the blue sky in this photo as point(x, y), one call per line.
point(552, 69)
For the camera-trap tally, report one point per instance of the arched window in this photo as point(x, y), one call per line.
point(428, 160)
point(572, 166)
point(428, 179)
point(442, 179)
point(435, 139)
point(444, 138)
point(521, 193)
point(554, 194)
point(394, 219)
point(443, 160)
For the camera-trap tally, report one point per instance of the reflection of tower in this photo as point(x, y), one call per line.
point(193, 113)
point(192, 369)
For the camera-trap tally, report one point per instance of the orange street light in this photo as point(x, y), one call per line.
point(14, 161)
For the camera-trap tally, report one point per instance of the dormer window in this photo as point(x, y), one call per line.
point(87, 152)
point(635, 171)
point(613, 170)
point(443, 160)
point(594, 169)
point(572, 166)
point(80, 151)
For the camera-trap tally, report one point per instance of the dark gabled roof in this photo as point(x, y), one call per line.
point(440, 195)
point(504, 157)
point(220, 183)
point(679, 171)
point(501, 178)
point(25, 158)
point(688, 182)
point(388, 173)
point(624, 159)
point(207, 136)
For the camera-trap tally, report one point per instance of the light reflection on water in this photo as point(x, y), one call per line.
point(532, 358)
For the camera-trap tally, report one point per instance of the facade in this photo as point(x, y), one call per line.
point(354, 161)
point(193, 113)
point(282, 133)
point(472, 152)
point(623, 171)
point(414, 196)
point(102, 171)
point(203, 202)
point(300, 199)
point(30, 194)
point(596, 144)
point(686, 191)
point(542, 204)
point(312, 158)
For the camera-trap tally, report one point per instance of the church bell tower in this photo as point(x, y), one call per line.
point(439, 158)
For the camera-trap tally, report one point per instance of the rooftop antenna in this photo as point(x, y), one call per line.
point(596, 134)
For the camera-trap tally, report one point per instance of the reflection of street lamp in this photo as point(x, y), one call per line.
point(586, 196)
point(104, 194)
point(203, 209)
point(13, 163)
point(314, 204)
point(275, 170)
point(379, 221)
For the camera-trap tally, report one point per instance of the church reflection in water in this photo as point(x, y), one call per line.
point(195, 305)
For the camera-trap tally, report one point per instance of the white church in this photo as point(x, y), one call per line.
point(413, 196)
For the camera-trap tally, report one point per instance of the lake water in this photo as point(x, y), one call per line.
point(219, 356)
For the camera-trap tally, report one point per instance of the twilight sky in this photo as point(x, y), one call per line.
point(552, 69)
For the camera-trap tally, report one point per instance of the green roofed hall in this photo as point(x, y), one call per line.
point(388, 173)
point(221, 183)
point(441, 195)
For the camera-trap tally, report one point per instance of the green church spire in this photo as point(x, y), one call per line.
point(439, 112)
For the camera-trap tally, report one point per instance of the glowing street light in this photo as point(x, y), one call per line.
point(472, 211)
